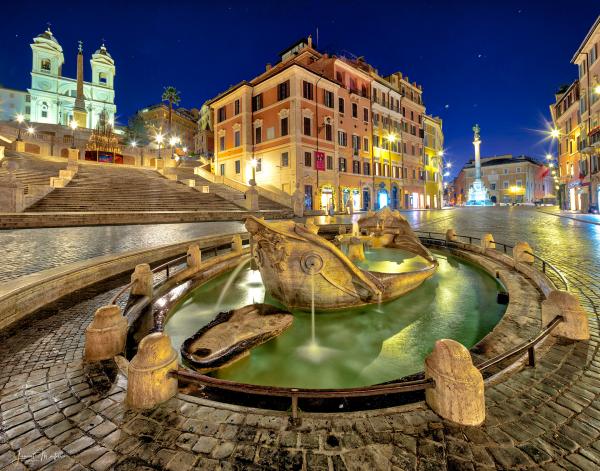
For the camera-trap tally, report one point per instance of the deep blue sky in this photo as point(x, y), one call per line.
point(494, 63)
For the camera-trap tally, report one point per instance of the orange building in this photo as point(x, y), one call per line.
point(309, 121)
point(184, 123)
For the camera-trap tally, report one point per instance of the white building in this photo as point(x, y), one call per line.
point(53, 96)
point(12, 103)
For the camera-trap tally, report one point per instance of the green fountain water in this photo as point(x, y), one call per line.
point(364, 345)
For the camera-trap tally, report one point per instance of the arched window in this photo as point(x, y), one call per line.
point(46, 64)
point(103, 78)
point(44, 108)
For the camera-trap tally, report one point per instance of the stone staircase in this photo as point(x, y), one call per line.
point(126, 189)
point(31, 171)
point(224, 191)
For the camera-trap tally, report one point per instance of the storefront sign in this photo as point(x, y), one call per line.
point(319, 160)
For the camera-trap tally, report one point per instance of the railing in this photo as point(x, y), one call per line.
point(546, 266)
point(297, 393)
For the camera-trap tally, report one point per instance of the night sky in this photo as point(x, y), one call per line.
point(495, 65)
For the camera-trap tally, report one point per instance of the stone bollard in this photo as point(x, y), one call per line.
point(575, 320)
point(519, 254)
point(73, 154)
point(487, 242)
point(194, 257)
point(143, 281)
point(236, 243)
point(311, 226)
point(251, 199)
point(148, 380)
point(12, 196)
point(106, 335)
point(458, 394)
point(450, 235)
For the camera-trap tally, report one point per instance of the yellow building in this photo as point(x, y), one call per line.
point(433, 164)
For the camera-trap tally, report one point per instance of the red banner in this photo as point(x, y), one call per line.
point(319, 160)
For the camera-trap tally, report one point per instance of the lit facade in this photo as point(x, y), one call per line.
point(509, 179)
point(13, 102)
point(323, 122)
point(433, 143)
point(53, 96)
point(184, 123)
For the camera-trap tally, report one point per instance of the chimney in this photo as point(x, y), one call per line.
point(309, 40)
point(268, 67)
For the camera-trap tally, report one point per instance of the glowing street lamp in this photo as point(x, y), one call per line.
point(555, 133)
point(173, 141)
point(133, 144)
point(73, 126)
point(441, 153)
point(548, 156)
point(19, 118)
point(253, 164)
point(448, 165)
point(185, 150)
point(597, 89)
point(30, 130)
point(159, 138)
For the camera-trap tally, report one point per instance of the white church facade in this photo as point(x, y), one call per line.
point(52, 96)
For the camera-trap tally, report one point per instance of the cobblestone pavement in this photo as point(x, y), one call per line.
point(58, 413)
point(27, 251)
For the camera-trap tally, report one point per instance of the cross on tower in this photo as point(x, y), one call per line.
point(48, 24)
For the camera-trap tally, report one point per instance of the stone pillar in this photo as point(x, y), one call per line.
point(73, 155)
point(458, 394)
point(106, 335)
point(12, 196)
point(148, 382)
point(236, 243)
point(194, 257)
point(20, 146)
point(298, 201)
point(520, 255)
point(450, 235)
point(487, 242)
point(251, 199)
point(311, 226)
point(143, 281)
point(575, 320)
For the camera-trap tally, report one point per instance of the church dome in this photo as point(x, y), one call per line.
point(48, 38)
point(47, 35)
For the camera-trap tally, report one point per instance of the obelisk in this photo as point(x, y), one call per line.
point(79, 112)
point(478, 193)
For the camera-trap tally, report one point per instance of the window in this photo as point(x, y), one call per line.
point(271, 132)
point(328, 132)
point(328, 98)
point(518, 169)
point(238, 166)
point(375, 141)
point(342, 138)
point(505, 185)
point(307, 90)
point(505, 171)
point(355, 166)
point(492, 185)
point(46, 64)
point(222, 143)
point(236, 107)
point(44, 109)
point(284, 126)
point(329, 162)
point(341, 105)
point(307, 159)
point(221, 114)
point(365, 115)
point(103, 78)
point(342, 164)
point(285, 159)
point(519, 183)
point(236, 140)
point(257, 102)
point(355, 144)
point(366, 144)
point(366, 168)
point(283, 90)
point(222, 169)
point(307, 126)
point(259, 164)
point(354, 110)
point(258, 135)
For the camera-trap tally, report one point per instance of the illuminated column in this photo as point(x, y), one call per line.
point(476, 144)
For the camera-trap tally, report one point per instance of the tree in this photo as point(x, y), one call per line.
point(137, 130)
point(172, 96)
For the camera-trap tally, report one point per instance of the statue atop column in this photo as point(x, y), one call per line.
point(476, 130)
point(478, 193)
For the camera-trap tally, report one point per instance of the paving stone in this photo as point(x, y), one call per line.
point(78, 445)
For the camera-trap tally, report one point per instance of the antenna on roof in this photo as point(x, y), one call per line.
point(317, 37)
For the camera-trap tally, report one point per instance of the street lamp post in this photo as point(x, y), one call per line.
point(159, 138)
point(391, 138)
point(73, 126)
point(253, 164)
point(20, 118)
